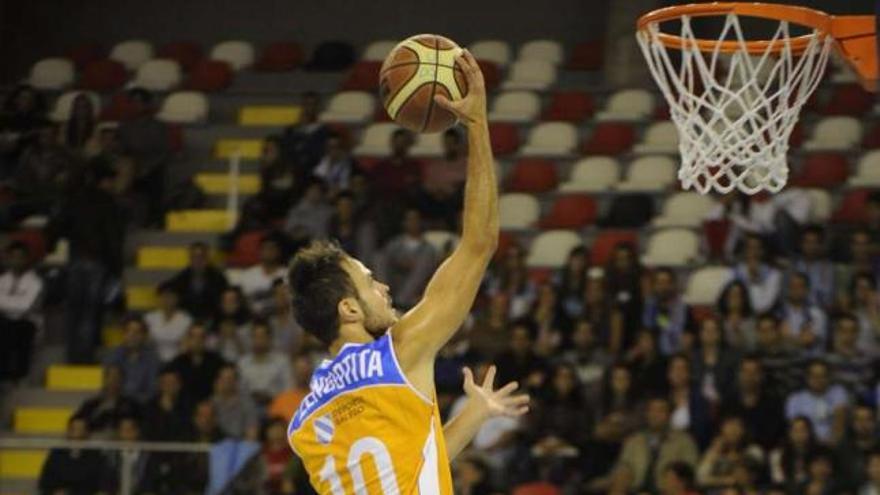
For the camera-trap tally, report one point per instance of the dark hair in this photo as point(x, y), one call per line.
point(862, 276)
point(789, 455)
point(199, 245)
point(311, 94)
point(18, 246)
point(874, 197)
point(683, 471)
point(813, 229)
point(527, 323)
point(801, 275)
point(242, 315)
point(817, 361)
point(166, 286)
point(261, 323)
point(317, 283)
point(400, 132)
point(39, 107)
point(140, 94)
point(451, 132)
point(845, 316)
point(169, 369)
point(134, 318)
point(768, 316)
point(77, 135)
point(667, 271)
point(723, 306)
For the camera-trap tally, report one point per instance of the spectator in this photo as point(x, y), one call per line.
point(488, 333)
point(233, 310)
point(148, 142)
point(510, 278)
point(310, 218)
point(92, 223)
point(304, 143)
point(237, 415)
point(678, 479)
point(761, 279)
point(285, 403)
point(586, 356)
point(623, 284)
point(713, 365)
point(690, 411)
point(200, 284)
point(647, 364)
point(472, 476)
point(336, 166)
point(823, 403)
point(137, 358)
point(278, 181)
point(813, 263)
point(551, 323)
point(647, 453)
point(667, 314)
point(872, 485)
point(407, 262)
point(617, 417)
point(190, 471)
point(822, 473)
point(862, 259)
point(455, 355)
point(74, 471)
point(789, 463)
point(197, 366)
point(204, 424)
point(730, 447)
point(396, 178)
point(606, 318)
point(142, 474)
point(866, 309)
point(737, 318)
point(872, 217)
point(20, 313)
point(520, 363)
point(854, 453)
point(443, 179)
point(850, 366)
point(167, 323)
point(781, 365)
point(755, 402)
point(570, 282)
point(256, 281)
point(24, 110)
point(167, 415)
point(804, 325)
point(276, 455)
point(103, 412)
point(264, 372)
point(80, 128)
point(355, 233)
point(286, 332)
point(560, 420)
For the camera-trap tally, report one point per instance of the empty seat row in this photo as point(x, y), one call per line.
point(181, 107)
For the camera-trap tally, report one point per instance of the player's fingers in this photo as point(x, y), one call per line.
point(446, 103)
point(519, 411)
point(468, 377)
point(517, 400)
point(507, 389)
point(472, 62)
point(489, 380)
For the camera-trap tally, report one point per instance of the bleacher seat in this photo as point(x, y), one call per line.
point(822, 170)
point(376, 51)
point(571, 211)
point(872, 138)
point(331, 56)
point(184, 107)
point(517, 211)
point(607, 240)
point(64, 105)
point(684, 209)
point(209, 76)
point(103, 75)
point(121, 107)
point(536, 488)
point(364, 76)
point(504, 138)
point(570, 106)
point(162, 257)
point(376, 140)
point(592, 174)
point(609, 138)
point(820, 205)
point(649, 173)
point(835, 134)
point(515, 106)
point(428, 145)
point(661, 137)
point(185, 53)
point(586, 56)
point(495, 51)
point(52, 73)
point(219, 183)
point(868, 171)
point(22, 464)
point(705, 285)
point(671, 247)
point(74, 377)
point(246, 251)
point(279, 56)
point(550, 139)
point(550, 248)
point(238, 54)
point(132, 53)
point(350, 107)
point(548, 50)
point(269, 115)
point(628, 105)
point(244, 148)
point(157, 75)
point(852, 207)
point(849, 99)
point(41, 420)
point(533, 175)
point(198, 221)
point(534, 75)
point(491, 74)
point(629, 211)
point(141, 297)
point(83, 54)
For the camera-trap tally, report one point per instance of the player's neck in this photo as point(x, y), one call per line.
point(350, 334)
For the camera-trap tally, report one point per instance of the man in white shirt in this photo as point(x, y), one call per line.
point(256, 282)
point(761, 279)
point(20, 289)
point(265, 373)
point(804, 324)
point(408, 261)
point(167, 324)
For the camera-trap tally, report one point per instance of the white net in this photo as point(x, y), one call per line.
point(734, 110)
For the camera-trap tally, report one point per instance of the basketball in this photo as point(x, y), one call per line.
point(413, 72)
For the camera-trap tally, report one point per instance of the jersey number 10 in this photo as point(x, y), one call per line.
point(365, 446)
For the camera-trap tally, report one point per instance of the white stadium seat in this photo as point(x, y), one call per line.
point(684, 209)
point(350, 107)
point(157, 75)
point(517, 211)
point(868, 171)
point(649, 173)
point(64, 105)
point(132, 53)
point(550, 139)
point(378, 50)
point(551, 248)
point(515, 106)
point(548, 50)
point(52, 73)
point(835, 134)
point(184, 107)
point(495, 51)
point(428, 145)
point(672, 247)
point(661, 137)
point(441, 240)
point(820, 205)
point(530, 74)
point(705, 285)
point(376, 140)
point(238, 54)
point(628, 105)
point(592, 174)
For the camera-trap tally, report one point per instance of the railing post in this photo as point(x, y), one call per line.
point(126, 480)
point(232, 199)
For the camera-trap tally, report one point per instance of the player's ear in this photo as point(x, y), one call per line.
point(350, 310)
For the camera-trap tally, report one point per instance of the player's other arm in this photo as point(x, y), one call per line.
point(421, 333)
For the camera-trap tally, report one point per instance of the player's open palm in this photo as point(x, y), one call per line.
point(500, 402)
point(472, 107)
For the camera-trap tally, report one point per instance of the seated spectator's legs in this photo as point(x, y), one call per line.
point(83, 311)
point(16, 348)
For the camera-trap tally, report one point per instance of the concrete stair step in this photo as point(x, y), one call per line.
point(41, 420)
point(21, 465)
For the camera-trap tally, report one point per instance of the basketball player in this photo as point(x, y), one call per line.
point(370, 424)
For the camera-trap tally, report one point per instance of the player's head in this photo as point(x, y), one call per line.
point(331, 291)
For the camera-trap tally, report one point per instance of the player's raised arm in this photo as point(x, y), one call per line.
point(451, 292)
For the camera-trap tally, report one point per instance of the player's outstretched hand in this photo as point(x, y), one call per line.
point(501, 402)
point(472, 108)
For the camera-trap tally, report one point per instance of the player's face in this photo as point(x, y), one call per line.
point(374, 298)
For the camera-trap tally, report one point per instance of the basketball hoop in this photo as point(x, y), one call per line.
point(736, 101)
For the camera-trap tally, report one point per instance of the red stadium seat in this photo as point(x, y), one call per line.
point(540, 276)
point(852, 207)
point(849, 99)
point(504, 137)
point(120, 108)
point(533, 175)
point(872, 138)
point(35, 240)
point(491, 73)
point(823, 170)
point(505, 240)
point(210, 75)
point(175, 137)
point(570, 106)
point(716, 233)
point(103, 75)
point(571, 212)
point(536, 488)
point(86, 53)
point(609, 138)
point(586, 56)
point(280, 56)
point(185, 53)
point(247, 249)
point(607, 240)
point(797, 136)
point(381, 114)
point(364, 76)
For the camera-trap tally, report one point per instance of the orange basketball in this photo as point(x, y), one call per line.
point(417, 69)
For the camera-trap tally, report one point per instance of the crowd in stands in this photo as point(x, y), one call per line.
point(774, 390)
